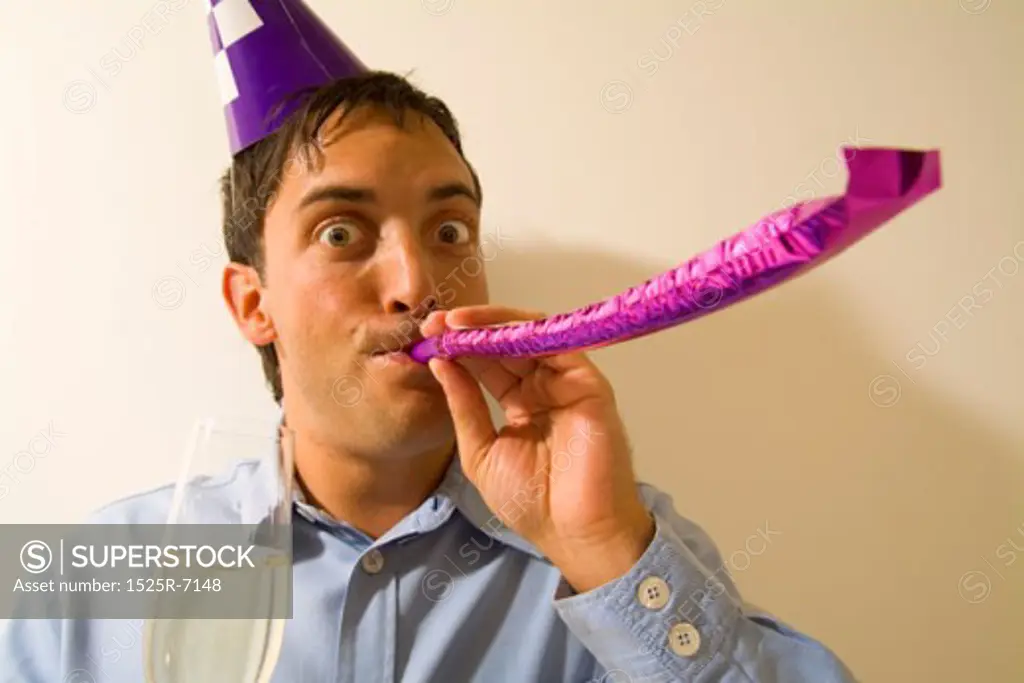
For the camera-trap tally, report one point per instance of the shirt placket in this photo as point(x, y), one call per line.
point(368, 651)
point(369, 621)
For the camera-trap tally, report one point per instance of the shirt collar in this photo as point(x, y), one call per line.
point(455, 493)
point(467, 500)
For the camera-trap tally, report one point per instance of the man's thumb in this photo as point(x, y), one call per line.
point(474, 429)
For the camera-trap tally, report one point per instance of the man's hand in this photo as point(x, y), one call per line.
point(559, 472)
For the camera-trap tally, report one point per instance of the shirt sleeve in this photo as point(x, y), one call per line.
point(677, 616)
point(30, 651)
point(38, 644)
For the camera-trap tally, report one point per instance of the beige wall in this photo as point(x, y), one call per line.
point(884, 475)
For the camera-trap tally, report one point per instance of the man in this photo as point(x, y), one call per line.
point(430, 544)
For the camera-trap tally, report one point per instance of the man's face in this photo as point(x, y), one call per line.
point(356, 248)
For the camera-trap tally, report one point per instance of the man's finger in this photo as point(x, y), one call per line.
point(503, 385)
point(474, 430)
point(433, 324)
point(491, 374)
point(479, 316)
point(520, 367)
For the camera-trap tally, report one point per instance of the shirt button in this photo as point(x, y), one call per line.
point(373, 561)
point(653, 592)
point(684, 639)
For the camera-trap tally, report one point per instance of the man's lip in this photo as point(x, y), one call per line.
point(385, 349)
point(392, 358)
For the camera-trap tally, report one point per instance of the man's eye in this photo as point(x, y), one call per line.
point(453, 232)
point(339, 234)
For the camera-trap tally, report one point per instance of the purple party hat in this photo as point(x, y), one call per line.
point(266, 51)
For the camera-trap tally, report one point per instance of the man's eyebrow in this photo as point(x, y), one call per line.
point(338, 193)
point(449, 190)
point(348, 193)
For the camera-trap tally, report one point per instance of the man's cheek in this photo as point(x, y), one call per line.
point(445, 294)
point(472, 292)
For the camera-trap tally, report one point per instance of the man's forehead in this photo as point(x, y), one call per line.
point(366, 150)
point(371, 146)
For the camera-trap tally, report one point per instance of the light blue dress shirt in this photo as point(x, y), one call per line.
point(450, 596)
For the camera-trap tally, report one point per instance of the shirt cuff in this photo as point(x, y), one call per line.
point(666, 619)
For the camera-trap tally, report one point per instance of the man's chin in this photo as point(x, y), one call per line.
point(409, 411)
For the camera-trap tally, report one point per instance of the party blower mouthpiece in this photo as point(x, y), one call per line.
point(882, 182)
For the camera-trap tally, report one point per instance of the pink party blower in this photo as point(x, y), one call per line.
point(882, 183)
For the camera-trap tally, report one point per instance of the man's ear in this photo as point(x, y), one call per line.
point(246, 300)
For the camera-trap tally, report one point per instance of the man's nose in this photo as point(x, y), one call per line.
point(408, 286)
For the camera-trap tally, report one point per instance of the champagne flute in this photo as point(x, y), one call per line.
point(183, 644)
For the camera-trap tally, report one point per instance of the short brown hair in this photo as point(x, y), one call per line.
point(248, 186)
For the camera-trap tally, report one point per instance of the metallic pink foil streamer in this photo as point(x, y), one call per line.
point(882, 182)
